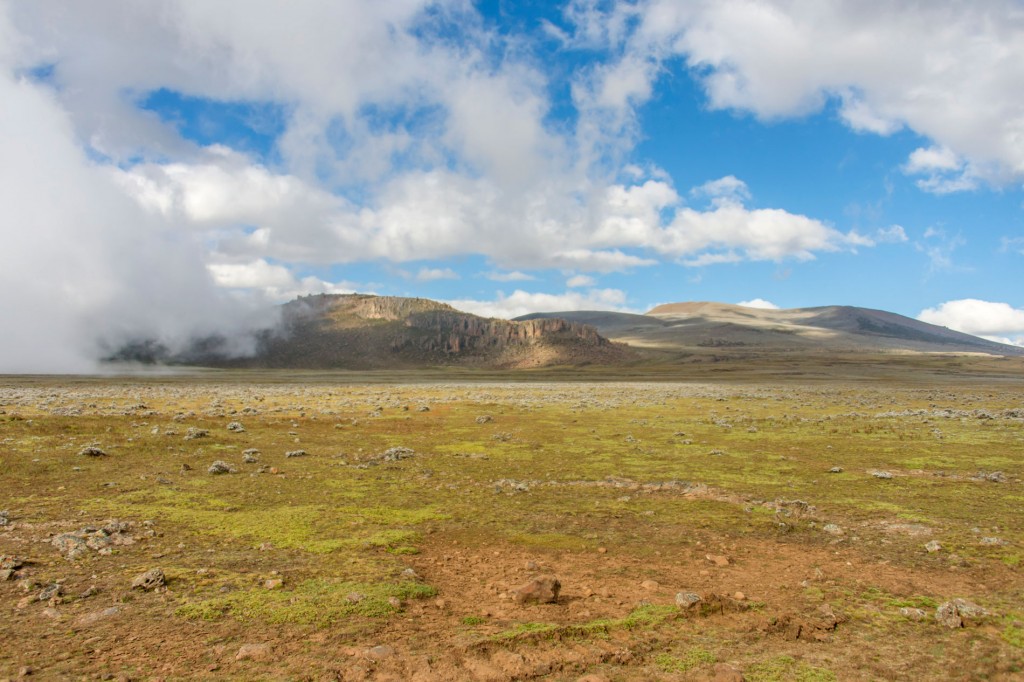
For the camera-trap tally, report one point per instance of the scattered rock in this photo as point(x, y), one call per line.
point(992, 477)
point(11, 562)
point(254, 652)
point(717, 559)
point(5, 517)
point(236, 427)
point(410, 574)
point(396, 453)
point(273, 584)
point(881, 474)
point(650, 584)
point(832, 529)
point(220, 467)
point(543, 590)
point(250, 456)
point(51, 591)
point(103, 540)
point(511, 485)
point(354, 597)
point(193, 433)
point(52, 613)
point(150, 580)
point(423, 408)
point(913, 614)
point(959, 613)
point(88, 619)
point(296, 453)
point(992, 541)
point(484, 418)
point(381, 651)
point(687, 600)
point(92, 451)
point(933, 546)
point(836, 470)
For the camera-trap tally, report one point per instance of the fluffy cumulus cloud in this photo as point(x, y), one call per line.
point(522, 302)
point(758, 303)
point(885, 65)
point(992, 320)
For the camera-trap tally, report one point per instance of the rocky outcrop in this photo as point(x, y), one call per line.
point(357, 331)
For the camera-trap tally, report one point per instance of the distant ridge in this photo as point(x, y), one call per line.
point(695, 325)
point(361, 331)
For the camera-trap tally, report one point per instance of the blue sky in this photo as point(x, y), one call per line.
point(210, 159)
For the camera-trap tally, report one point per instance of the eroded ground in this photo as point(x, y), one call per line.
point(298, 567)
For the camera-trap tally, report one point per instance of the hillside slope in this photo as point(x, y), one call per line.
point(704, 325)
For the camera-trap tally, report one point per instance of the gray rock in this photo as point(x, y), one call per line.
point(92, 451)
point(832, 529)
point(687, 600)
point(885, 475)
point(221, 467)
point(410, 574)
point(380, 651)
point(484, 418)
point(193, 433)
point(51, 591)
point(150, 580)
point(89, 619)
point(933, 546)
point(250, 456)
point(296, 453)
point(959, 613)
point(423, 408)
point(836, 470)
point(236, 427)
point(71, 545)
point(913, 614)
point(5, 517)
point(396, 453)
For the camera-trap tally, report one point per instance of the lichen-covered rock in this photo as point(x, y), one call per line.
point(91, 451)
point(296, 453)
point(687, 600)
point(150, 580)
point(958, 613)
point(221, 467)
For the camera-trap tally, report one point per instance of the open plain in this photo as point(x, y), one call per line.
point(233, 525)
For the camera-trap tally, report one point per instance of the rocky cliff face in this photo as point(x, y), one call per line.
point(363, 332)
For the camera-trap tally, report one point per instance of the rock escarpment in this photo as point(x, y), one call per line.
point(356, 331)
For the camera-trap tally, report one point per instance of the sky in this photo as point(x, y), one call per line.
point(171, 169)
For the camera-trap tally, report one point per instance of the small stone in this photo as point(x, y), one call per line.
point(832, 529)
point(958, 613)
point(913, 614)
point(650, 584)
point(254, 652)
point(602, 550)
point(92, 451)
point(933, 546)
point(410, 574)
point(423, 408)
point(236, 427)
point(150, 580)
point(542, 590)
point(885, 475)
point(51, 591)
point(381, 651)
point(251, 456)
point(296, 453)
point(354, 597)
point(484, 418)
point(531, 566)
point(273, 584)
point(220, 467)
point(687, 600)
point(395, 602)
point(6, 574)
point(739, 596)
point(94, 617)
point(836, 470)
point(52, 613)
point(24, 671)
point(718, 560)
point(193, 433)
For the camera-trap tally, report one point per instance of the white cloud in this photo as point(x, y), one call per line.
point(433, 274)
point(521, 302)
point(727, 190)
point(578, 281)
point(946, 70)
point(276, 283)
point(992, 320)
point(513, 276)
point(894, 234)
point(758, 303)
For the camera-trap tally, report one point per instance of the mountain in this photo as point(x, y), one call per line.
point(704, 326)
point(357, 331)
